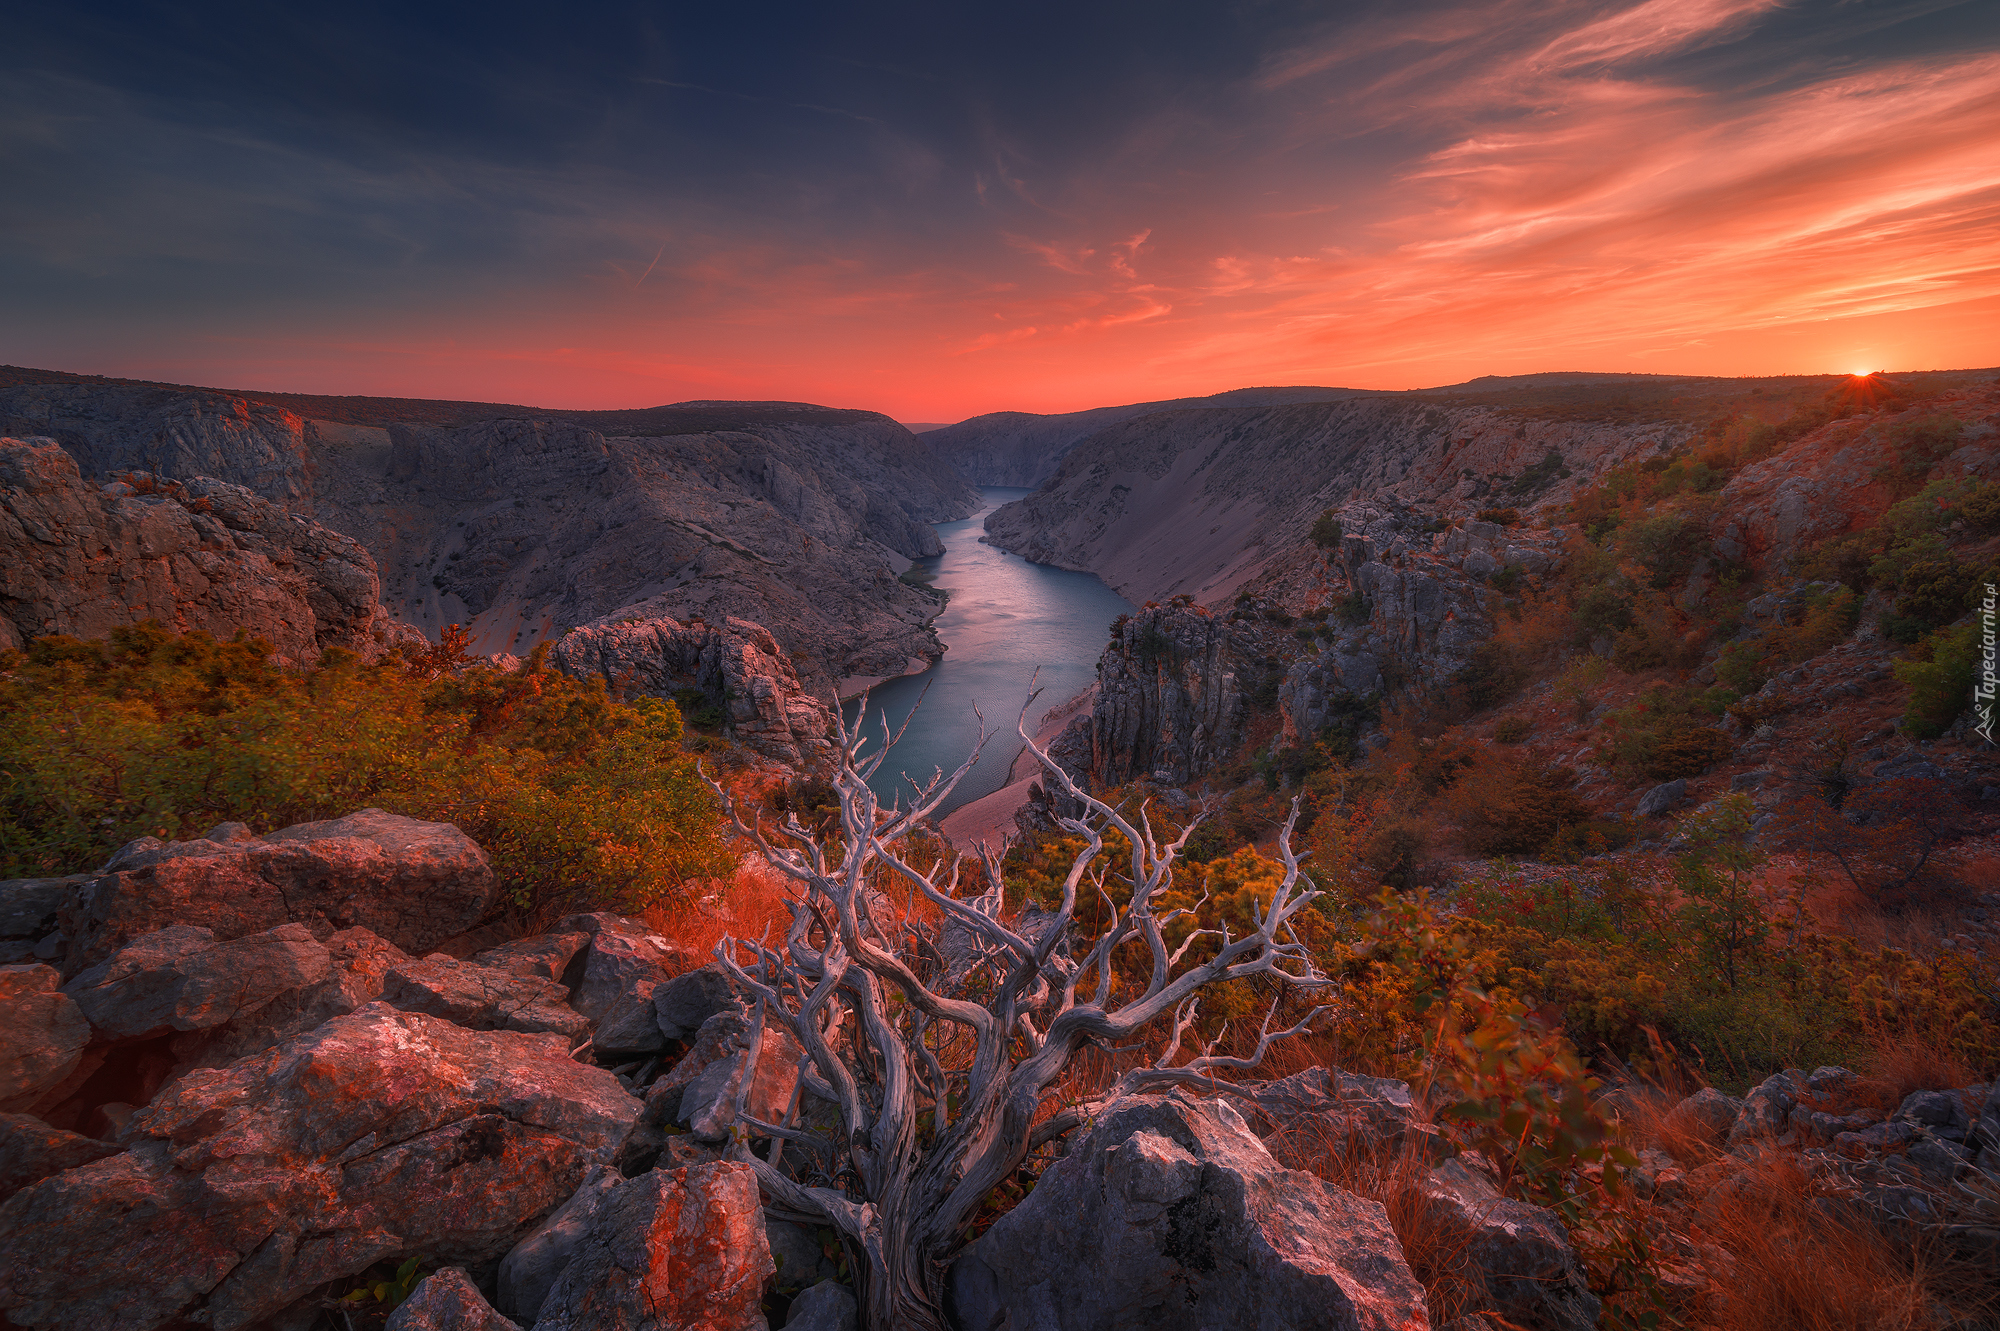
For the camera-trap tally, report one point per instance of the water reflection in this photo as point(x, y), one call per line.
point(1006, 618)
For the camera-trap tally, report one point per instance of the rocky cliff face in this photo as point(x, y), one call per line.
point(1201, 501)
point(1022, 448)
point(737, 664)
point(82, 559)
point(787, 515)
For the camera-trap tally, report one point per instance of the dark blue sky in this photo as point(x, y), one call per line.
point(943, 209)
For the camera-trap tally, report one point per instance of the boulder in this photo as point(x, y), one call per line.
point(379, 1136)
point(543, 957)
point(1708, 1112)
point(1517, 1254)
point(1665, 796)
point(530, 1268)
point(447, 1300)
point(413, 883)
point(625, 963)
point(481, 998)
point(1767, 1108)
point(1327, 1108)
point(358, 964)
point(827, 1306)
point(683, 1003)
point(43, 1034)
point(181, 979)
point(1201, 1227)
point(800, 1257)
point(31, 1150)
point(29, 907)
point(671, 1249)
point(701, 1089)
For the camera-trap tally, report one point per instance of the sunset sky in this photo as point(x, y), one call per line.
point(937, 210)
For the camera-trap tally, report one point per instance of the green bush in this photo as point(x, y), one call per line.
point(1666, 545)
point(1981, 509)
point(576, 798)
point(1602, 610)
point(1326, 531)
point(1934, 591)
point(1512, 730)
point(1667, 733)
point(1940, 681)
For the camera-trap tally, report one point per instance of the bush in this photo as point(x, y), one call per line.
point(1491, 677)
point(1512, 730)
point(1355, 609)
point(1326, 531)
point(1981, 509)
point(1666, 545)
point(1940, 681)
point(1666, 733)
point(1521, 810)
point(1506, 517)
point(1602, 610)
point(1934, 592)
point(576, 799)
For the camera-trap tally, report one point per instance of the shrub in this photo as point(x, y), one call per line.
point(1520, 810)
point(1491, 676)
point(1665, 734)
point(1934, 591)
point(1512, 730)
point(1326, 531)
point(1602, 610)
point(1506, 517)
point(1666, 545)
point(1981, 509)
point(1940, 680)
point(575, 798)
point(1355, 609)
point(1916, 447)
point(1508, 577)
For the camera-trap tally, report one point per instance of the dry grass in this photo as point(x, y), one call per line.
point(1434, 1246)
point(1905, 1061)
point(1793, 1266)
point(752, 900)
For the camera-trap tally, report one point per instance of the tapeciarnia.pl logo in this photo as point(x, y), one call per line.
point(1983, 691)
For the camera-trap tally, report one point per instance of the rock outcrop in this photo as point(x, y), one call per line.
point(82, 559)
point(43, 1037)
point(1170, 698)
point(380, 1135)
point(1201, 502)
point(448, 1301)
point(1197, 1226)
point(523, 525)
point(411, 882)
point(1828, 483)
point(669, 1249)
point(1023, 448)
point(737, 665)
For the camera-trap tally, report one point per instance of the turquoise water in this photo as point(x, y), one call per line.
point(1006, 617)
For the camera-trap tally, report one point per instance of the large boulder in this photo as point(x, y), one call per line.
point(447, 1300)
point(701, 1089)
point(380, 1136)
point(31, 1150)
point(181, 979)
point(43, 1034)
point(358, 967)
point(482, 998)
point(1324, 1109)
point(827, 1306)
point(683, 1003)
point(625, 963)
point(668, 1250)
point(1516, 1256)
point(411, 882)
point(29, 912)
point(542, 957)
point(1169, 1214)
point(530, 1268)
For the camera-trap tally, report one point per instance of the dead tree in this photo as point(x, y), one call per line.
point(940, 1046)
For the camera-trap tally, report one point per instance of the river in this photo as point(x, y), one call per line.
point(1005, 619)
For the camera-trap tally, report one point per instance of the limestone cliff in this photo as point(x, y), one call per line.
point(789, 515)
point(82, 559)
point(1201, 501)
point(1023, 448)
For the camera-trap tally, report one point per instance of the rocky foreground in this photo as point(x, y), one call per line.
point(242, 1076)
